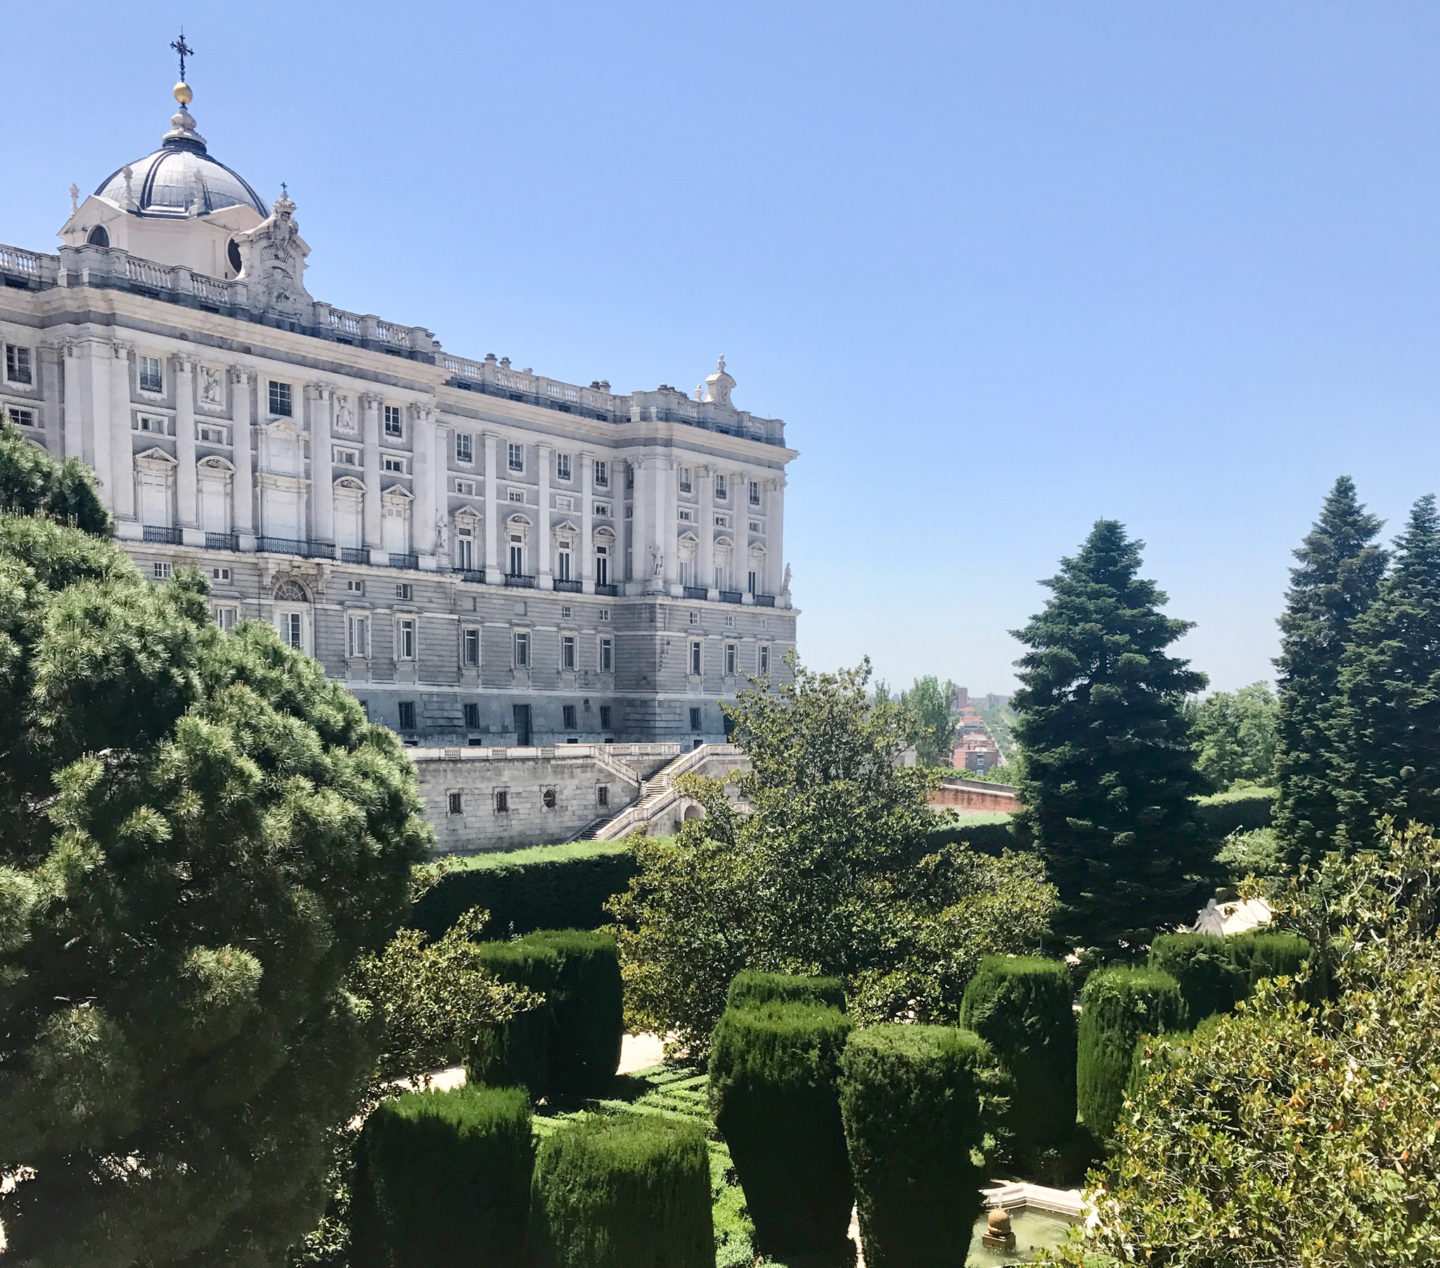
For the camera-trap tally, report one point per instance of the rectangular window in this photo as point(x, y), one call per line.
point(214, 435)
point(722, 521)
point(567, 651)
point(603, 614)
point(472, 717)
point(219, 574)
point(22, 417)
point(564, 504)
point(694, 719)
point(687, 479)
point(729, 622)
point(754, 582)
point(695, 653)
point(394, 421)
point(154, 424)
point(601, 509)
point(522, 649)
point(516, 495)
point(404, 590)
point(629, 475)
point(604, 717)
point(19, 365)
point(162, 572)
point(152, 377)
point(470, 648)
point(502, 801)
point(731, 654)
point(693, 618)
point(226, 616)
point(515, 456)
point(687, 516)
point(405, 638)
point(602, 793)
point(607, 655)
point(566, 611)
point(562, 562)
point(465, 487)
point(394, 464)
point(407, 715)
point(602, 569)
point(517, 555)
point(358, 637)
point(764, 658)
point(568, 713)
point(562, 466)
point(602, 474)
point(464, 447)
point(346, 457)
point(754, 493)
point(354, 587)
point(280, 403)
point(722, 490)
point(457, 803)
point(755, 526)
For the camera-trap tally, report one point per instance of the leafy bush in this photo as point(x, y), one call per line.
point(439, 1175)
point(1204, 966)
point(546, 887)
point(623, 1191)
point(1117, 1007)
point(516, 1051)
point(912, 1099)
point(750, 987)
point(589, 1009)
point(1242, 810)
point(1258, 852)
point(1021, 1006)
point(773, 1071)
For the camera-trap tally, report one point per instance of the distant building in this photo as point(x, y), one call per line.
point(962, 699)
point(978, 753)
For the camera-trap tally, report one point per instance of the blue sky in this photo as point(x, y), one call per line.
point(1003, 268)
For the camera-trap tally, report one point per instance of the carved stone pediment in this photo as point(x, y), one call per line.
point(272, 264)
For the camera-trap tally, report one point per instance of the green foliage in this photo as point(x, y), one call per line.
point(1263, 953)
point(33, 483)
point(1257, 853)
point(441, 1177)
point(1022, 1007)
point(1204, 966)
point(545, 887)
point(1336, 579)
point(588, 1005)
point(991, 834)
point(1234, 735)
point(199, 836)
point(773, 1072)
point(1385, 728)
point(1239, 810)
point(623, 1191)
point(516, 1051)
point(913, 1102)
point(1117, 1007)
point(828, 875)
point(751, 987)
point(1295, 1131)
point(1110, 771)
point(930, 721)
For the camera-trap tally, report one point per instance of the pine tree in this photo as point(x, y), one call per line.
point(199, 835)
point(1335, 581)
point(1110, 771)
point(1385, 730)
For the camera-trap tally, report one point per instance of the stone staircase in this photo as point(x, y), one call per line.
point(658, 793)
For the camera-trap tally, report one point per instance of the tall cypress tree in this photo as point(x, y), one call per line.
point(1386, 726)
point(1334, 582)
point(1110, 771)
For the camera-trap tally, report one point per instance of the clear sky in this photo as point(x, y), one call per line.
point(1003, 268)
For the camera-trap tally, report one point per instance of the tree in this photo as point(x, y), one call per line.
point(1385, 726)
point(1109, 768)
point(1334, 582)
point(199, 834)
point(828, 873)
point(33, 483)
point(930, 720)
point(1234, 734)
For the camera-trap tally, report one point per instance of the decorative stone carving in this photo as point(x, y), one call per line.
point(272, 263)
point(212, 387)
point(719, 385)
point(344, 413)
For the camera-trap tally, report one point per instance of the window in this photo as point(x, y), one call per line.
point(466, 487)
point(721, 488)
point(465, 549)
point(407, 715)
point(687, 516)
point(567, 651)
point(694, 618)
point(522, 649)
point(404, 590)
point(729, 622)
point(755, 526)
point(562, 466)
point(502, 801)
point(568, 712)
point(687, 479)
point(470, 648)
point(754, 582)
point(629, 476)
point(604, 717)
point(730, 658)
point(695, 653)
point(394, 464)
point(517, 555)
point(394, 421)
point(602, 791)
point(764, 658)
point(152, 378)
point(405, 638)
point(153, 424)
point(214, 436)
point(354, 587)
point(292, 630)
point(472, 717)
point(464, 447)
point(515, 456)
point(226, 616)
point(22, 417)
point(562, 561)
point(694, 719)
point(457, 803)
point(219, 574)
point(564, 504)
point(280, 403)
point(346, 457)
point(19, 364)
point(602, 566)
point(602, 474)
point(602, 509)
point(358, 637)
point(566, 611)
point(603, 614)
point(162, 572)
point(607, 655)
point(548, 799)
point(516, 495)
point(754, 493)
point(722, 521)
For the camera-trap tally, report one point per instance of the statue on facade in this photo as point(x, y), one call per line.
point(657, 561)
point(719, 385)
point(442, 534)
point(212, 386)
point(785, 584)
point(344, 413)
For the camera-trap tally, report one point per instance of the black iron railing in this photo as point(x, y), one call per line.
point(354, 555)
point(519, 579)
point(729, 596)
point(295, 546)
point(222, 541)
point(764, 600)
point(695, 592)
point(159, 533)
point(568, 585)
point(477, 575)
point(400, 560)
point(607, 588)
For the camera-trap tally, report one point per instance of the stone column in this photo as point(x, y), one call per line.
point(544, 547)
point(705, 531)
point(422, 458)
point(666, 524)
point(775, 534)
point(113, 449)
point(51, 393)
point(624, 529)
point(320, 405)
point(73, 426)
point(492, 513)
point(587, 527)
point(242, 417)
point(642, 536)
point(183, 368)
point(370, 430)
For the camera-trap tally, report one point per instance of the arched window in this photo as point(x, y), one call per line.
point(465, 542)
point(98, 236)
point(688, 546)
point(232, 254)
point(724, 559)
point(292, 615)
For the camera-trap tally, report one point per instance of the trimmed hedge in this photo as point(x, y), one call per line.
point(517, 1051)
point(1117, 1007)
point(622, 1191)
point(439, 1175)
point(773, 1071)
point(910, 1099)
point(588, 1003)
point(546, 887)
point(987, 833)
point(1263, 953)
point(1204, 966)
point(750, 987)
point(1022, 1007)
point(1241, 811)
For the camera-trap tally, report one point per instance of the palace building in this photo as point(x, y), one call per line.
point(481, 554)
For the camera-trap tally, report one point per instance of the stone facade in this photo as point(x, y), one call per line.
point(484, 555)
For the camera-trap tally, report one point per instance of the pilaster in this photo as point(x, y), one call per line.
point(422, 459)
point(492, 512)
point(183, 372)
point(544, 546)
point(706, 532)
point(242, 418)
point(113, 451)
point(370, 428)
point(320, 406)
point(73, 407)
point(775, 535)
point(587, 507)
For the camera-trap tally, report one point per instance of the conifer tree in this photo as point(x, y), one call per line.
point(1385, 730)
point(1334, 582)
point(1110, 771)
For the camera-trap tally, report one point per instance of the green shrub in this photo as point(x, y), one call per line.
point(773, 1070)
point(987, 833)
point(546, 887)
point(440, 1174)
point(1263, 953)
point(623, 1191)
point(517, 1051)
point(1117, 1007)
point(911, 1101)
point(1022, 1007)
point(751, 987)
point(589, 1008)
point(1243, 810)
point(1205, 968)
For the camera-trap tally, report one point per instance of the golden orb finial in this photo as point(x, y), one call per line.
point(183, 93)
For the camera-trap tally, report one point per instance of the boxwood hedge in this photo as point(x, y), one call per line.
point(587, 1000)
point(750, 987)
point(1117, 1007)
point(517, 1051)
point(1204, 967)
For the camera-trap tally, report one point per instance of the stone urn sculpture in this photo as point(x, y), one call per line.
point(998, 1234)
